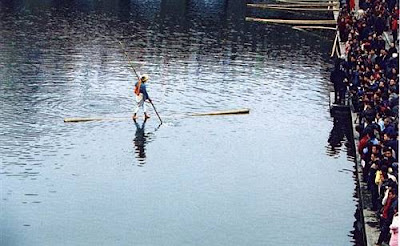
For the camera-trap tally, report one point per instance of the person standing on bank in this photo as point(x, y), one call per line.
point(141, 96)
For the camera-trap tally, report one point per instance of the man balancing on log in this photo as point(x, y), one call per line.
point(141, 96)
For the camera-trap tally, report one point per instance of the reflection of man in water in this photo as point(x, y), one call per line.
point(140, 142)
point(339, 135)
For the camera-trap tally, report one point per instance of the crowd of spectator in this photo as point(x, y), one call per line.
point(369, 73)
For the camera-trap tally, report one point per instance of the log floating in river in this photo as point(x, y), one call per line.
point(316, 27)
point(237, 111)
point(293, 22)
point(74, 120)
point(226, 112)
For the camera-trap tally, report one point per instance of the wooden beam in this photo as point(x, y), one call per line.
point(292, 22)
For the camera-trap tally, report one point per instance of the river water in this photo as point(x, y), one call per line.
point(281, 175)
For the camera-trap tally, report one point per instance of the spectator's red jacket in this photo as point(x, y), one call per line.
point(363, 144)
point(394, 25)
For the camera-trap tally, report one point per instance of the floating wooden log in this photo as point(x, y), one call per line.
point(315, 27)
point(293, 22)
point(74, 120)
point(236, 111)
point(309, 32)
point(304, 5)
point(299, 29)
point(227, 112)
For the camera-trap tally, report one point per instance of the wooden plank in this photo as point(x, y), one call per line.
point(292, 22)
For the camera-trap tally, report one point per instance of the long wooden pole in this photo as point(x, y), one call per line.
point(156, 112)
point(334, 44)
point(129, 60)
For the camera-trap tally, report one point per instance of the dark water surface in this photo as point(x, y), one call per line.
point(267, 178)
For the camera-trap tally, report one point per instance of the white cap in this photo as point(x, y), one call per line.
point(144, 77)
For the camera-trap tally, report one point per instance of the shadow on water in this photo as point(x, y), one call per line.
point(340, 137)
point(142, 138)
point(341, 140)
